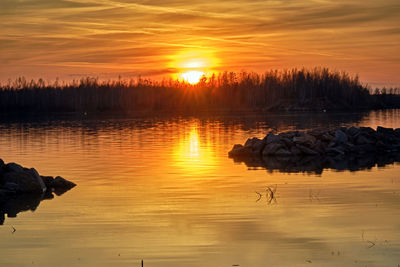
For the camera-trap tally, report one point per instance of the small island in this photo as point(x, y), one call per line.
point(22, 189)
point(351, 148)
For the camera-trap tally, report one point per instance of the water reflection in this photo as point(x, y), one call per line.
point(317, 164)
point(12, 205)
point(163, 190)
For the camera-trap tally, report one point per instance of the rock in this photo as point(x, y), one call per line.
point(239, 150)
point(288, 142)
point(26, 182)
point(1, 163)
point(47, 180)
point(397, 132)
point(305, 140)
point(250, 142)
point(14, 167)
point(295, 151)
point(13, 187)
point(362, 139)
point(283, 152)
point(39, 179)
point(62, 183)
point(258, 146)
point(384, 130)
point(272, 138)
point(335, 150)
point(327, 137)
point(271, 148)
point(340, 137)
point(352, 131)
point(306, 150)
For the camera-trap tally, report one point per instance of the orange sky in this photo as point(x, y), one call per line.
point(107, 38)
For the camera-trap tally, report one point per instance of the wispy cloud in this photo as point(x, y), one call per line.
point(86, 36)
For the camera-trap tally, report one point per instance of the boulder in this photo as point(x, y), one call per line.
point(283, 152)
point(384, 130)
point(239, 150)
point(305, 140)
point(271, 148)
point(47, 180)
point(258, 146)
point(39, 179)
point(340, 137)
point(306, 150)
point(272, 138)
point(14, 167)
point(26, 182)
point(61, 183)
point(352, 131)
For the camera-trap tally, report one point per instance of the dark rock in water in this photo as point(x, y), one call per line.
point(340, 137)
point(60, 182)
point(327, 144)
point(14, 167)
point(25, 181)
point(239, 150)
point(271, 148)
point(307, 151)
point(47, 180)
point(22, 189)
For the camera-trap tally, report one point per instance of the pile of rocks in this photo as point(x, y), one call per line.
point(16, 180)
point(341, 141)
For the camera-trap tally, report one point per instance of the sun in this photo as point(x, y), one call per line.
point(193, 64)
point(192, 76)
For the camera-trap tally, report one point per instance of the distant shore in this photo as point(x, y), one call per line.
point(317, 89)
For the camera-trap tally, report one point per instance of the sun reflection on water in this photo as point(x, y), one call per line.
point(192, 152)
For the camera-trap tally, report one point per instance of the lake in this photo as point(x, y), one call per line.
point(163, 189)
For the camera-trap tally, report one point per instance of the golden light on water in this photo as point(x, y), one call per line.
point(192, 153)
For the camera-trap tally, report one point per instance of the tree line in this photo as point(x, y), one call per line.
point(318, 88)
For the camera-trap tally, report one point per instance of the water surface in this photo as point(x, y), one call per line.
point(162, 189)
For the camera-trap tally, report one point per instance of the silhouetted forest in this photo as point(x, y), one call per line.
point(296, 89)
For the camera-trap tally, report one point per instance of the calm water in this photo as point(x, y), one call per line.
point(164, 190)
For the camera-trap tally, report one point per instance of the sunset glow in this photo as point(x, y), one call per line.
point(192, 76)
point(162, 39)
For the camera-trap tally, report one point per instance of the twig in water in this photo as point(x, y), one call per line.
point(259, 196)
point(270, 195)
point(13, 231)
point(372, 243)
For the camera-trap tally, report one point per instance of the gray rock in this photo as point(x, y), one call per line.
point(47, 180)
point(271, 148)
point(305, 140)
point(362, 139)
point(39, 179)
point(272, 138)
point(340, 137)
point(14, 167)
point(258, 146)
point(384, 130)
point(239, 150)
point(335, 150)
point(306, 150)
point(11, 187)
point(61, 183)
point(26, 182)
point(283, 152)
point(295, 151)
point(352, 131)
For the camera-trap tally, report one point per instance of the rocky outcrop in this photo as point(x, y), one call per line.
point(15, 179)
point(23, 189)
point(347, 142)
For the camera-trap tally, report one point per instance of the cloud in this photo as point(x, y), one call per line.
point(243, 34)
